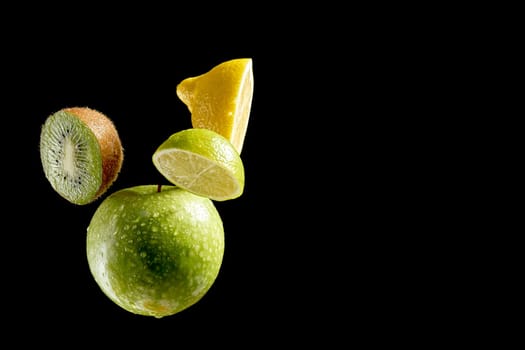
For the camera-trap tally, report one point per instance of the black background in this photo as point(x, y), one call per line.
point(338, 236)
point(276, 281)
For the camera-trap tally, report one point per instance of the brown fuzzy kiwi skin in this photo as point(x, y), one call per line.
point(110, 144)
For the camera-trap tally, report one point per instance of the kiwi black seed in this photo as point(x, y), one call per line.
point(81, 153)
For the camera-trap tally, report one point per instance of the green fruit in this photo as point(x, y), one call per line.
point(155, 251)
point(81, 153)
point(203, 162)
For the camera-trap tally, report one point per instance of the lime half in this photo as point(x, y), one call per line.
point(203, 162)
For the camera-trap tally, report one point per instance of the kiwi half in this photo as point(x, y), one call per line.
point(81, 153)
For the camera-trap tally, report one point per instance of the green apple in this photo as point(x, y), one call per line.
point(155, 251)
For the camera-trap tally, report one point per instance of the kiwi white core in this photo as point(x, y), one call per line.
point(69, 157)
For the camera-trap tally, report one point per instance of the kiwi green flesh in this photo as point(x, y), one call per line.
point(108, 140)
point(71, 157)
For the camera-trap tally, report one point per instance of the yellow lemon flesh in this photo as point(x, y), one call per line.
point(221, 99)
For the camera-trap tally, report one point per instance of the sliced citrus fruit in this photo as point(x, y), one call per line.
point(203, 162)
point(221, 99)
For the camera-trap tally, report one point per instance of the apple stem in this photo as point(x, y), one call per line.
point(158, 187)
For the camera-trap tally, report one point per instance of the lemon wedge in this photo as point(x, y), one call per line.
point(221, 99)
